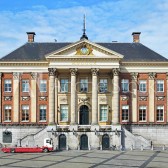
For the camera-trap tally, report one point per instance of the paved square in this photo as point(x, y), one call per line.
point(85, 159)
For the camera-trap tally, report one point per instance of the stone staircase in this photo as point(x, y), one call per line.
point(34, 139)
point(133, 140)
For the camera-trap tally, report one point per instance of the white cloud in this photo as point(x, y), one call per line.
point(106, 21)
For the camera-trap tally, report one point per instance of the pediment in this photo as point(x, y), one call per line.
point(84, 48)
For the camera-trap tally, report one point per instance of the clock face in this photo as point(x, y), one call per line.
point(84, 50)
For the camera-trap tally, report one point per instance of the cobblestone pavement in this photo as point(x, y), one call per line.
point(82, 159)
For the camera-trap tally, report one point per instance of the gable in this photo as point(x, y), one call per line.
point(84, 48)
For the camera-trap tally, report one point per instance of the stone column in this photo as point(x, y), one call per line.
point(56, 97)
point(52, 72)
point(16, 97)
point(134, 76)
point(0, 98)
point(151, 96)
point(115, 105)
point(33, 97)
point(73, 96)
point(94, 96)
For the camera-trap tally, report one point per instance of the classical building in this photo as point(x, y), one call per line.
point(84, 95)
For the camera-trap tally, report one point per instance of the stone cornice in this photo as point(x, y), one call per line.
point(19, 63)
point(133, 64)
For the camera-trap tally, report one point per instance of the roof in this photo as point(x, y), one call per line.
point(36, 51)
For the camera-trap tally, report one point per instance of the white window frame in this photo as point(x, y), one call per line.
point(25, 85)
point(142, 85)
point(9, 113)
point(143, 108)
point(104, 85)
point(158, 83)
point(7, 85)
point(43, 85)
point(124, 81)
point(63, 89)
point(67, 111)
point(25, 110)
point(126, 110)
point(161, 107)
point(104, 119)
point(43, 107)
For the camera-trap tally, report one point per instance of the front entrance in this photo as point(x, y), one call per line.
point(84, 142)
point(62, 142)
point(105, 142)
point(84, 115)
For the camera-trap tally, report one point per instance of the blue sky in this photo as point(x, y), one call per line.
point(106, 21)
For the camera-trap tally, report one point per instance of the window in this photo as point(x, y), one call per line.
point(7, 136)
point(43, 109)
point(64, 112)
point(142, 113)
point(84, 85)
point(8, 85)
point(103, 85)
point(125, 85)
point(142, 85)
point(160, 114)
point(43, 86)
point(125, 111)
point(103, 112)
point(64, 85)
point(25, 113)
point(160, 85)
point(25, 85)
point(7, 111)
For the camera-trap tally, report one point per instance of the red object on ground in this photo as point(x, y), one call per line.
point(27, 149)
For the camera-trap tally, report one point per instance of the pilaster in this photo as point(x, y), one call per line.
point(115, 102)
point(52, 72)
point(152, 96)
point(33, 97)
point(134, 77)
point(94, 96)
point(16, 76)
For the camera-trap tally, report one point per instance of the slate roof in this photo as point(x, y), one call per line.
point(36, 51)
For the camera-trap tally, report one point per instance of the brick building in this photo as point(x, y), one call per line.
point(84, 95)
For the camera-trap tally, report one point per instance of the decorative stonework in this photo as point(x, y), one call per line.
point(73, 71)
point(160, 98)
point(152, 75)
point(94, 71)
point(134, 75)
point(16, 75)
point(52, 71)
point(115, 71)
point(84, 50)
point(86, 99)
point(143, 98)
point(103, 99)
point(124, 98)
point(25, 98)
point(8, 98)
point(63, 99)
point(43, 98)
point(33, 75)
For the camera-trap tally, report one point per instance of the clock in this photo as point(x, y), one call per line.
point(84, 50)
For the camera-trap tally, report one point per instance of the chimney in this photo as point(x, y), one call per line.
point(31, 36)
point(136, 38)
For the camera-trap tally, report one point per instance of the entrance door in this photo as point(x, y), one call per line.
point(62, 142)
point(105, 142)
point(83, 142)
point(84, 115)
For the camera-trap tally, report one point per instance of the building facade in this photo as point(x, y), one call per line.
point(84, 95)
